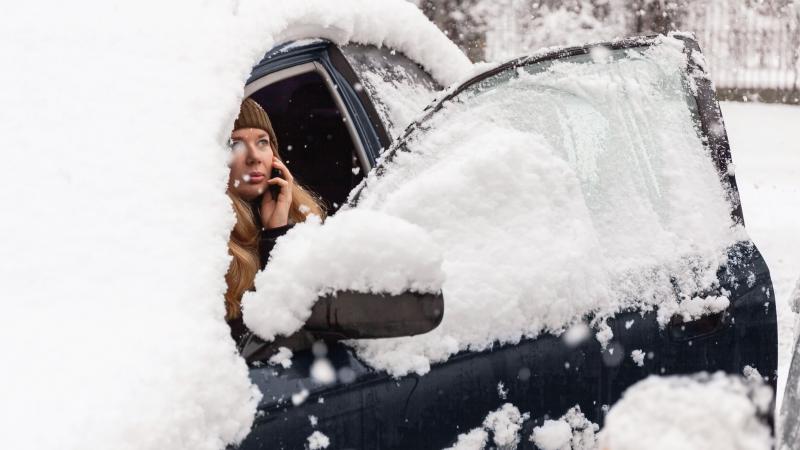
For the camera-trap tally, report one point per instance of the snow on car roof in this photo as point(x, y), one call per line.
point(395, 24)
point(113, 122)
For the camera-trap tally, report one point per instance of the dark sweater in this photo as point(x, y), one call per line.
point(266, 241)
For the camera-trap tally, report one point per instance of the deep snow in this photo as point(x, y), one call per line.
point(113, 126)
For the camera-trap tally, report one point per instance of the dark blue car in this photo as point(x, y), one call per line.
point(333, 109)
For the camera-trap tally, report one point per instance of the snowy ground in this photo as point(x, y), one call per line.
point(765, 142)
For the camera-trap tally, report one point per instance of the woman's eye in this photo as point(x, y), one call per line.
point(262, 143)
point(236, 146)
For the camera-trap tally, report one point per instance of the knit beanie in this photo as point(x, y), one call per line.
point(252, 115)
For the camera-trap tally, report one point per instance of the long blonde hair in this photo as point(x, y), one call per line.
point(243, 243)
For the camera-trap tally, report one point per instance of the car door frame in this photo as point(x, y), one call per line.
point(369, 131)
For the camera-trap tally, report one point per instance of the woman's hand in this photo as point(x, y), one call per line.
point(275, 212)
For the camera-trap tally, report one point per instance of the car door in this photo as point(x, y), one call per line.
point(545, 374)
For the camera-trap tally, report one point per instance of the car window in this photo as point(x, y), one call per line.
point(399, 88)
point(315, 138)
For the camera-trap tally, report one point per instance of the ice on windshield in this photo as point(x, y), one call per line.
point(580, 187)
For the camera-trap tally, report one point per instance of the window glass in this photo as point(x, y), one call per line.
point(398, 87)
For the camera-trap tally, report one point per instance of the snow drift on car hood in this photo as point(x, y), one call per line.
point(113, 123)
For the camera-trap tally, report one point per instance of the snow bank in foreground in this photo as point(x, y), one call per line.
point(572, 431)
point(361, 251)
point(548, 209)
point(503, 425)
point(113, 122)
point(704, 412)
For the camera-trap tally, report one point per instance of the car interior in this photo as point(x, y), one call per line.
point(313, 137)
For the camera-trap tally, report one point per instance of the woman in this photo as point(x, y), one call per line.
point(266, 205)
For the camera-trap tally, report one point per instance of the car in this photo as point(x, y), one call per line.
point(343, 115)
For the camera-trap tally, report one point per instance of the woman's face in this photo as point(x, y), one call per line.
point(251, 162)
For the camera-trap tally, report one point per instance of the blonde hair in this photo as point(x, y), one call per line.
point(243, 243)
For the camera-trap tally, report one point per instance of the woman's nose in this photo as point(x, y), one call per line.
point(252, 154)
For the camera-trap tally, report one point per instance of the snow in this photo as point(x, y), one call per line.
point(113, 124)
point(396, 24)
point(283, 357)
point(318, 441)
point(583, 430)
point(502, 392)
point(638, 357)
point(794, 298)
point(301, 271)
point(299, 398)
point(695, 307)
point(607, 225)
point(475, 439)
point(503, 425)
point(576, 334)
point(322, 371)
point(766, 150)
point(701, 412)
point(552, 435)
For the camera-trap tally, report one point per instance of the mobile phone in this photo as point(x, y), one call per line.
point(274, 189)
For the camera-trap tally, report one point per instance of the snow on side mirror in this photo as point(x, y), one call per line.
point(369, 275)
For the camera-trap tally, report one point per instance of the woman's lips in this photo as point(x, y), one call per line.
point(254, 177)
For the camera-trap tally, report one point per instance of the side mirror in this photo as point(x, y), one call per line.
point(355, 315)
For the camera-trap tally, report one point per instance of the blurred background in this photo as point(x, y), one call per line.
point(752, 47)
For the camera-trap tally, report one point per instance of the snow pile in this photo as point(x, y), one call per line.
point(694, 307)
point(113, 125)
point(552, 435)
point(548, 208)
point(573, 431)
point(396, 24)
point(704, 412)
point(503, 425)
point(318, 441)
point(360, 251)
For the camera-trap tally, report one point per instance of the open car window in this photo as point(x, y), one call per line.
point(316, 139)
point(399, 88)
